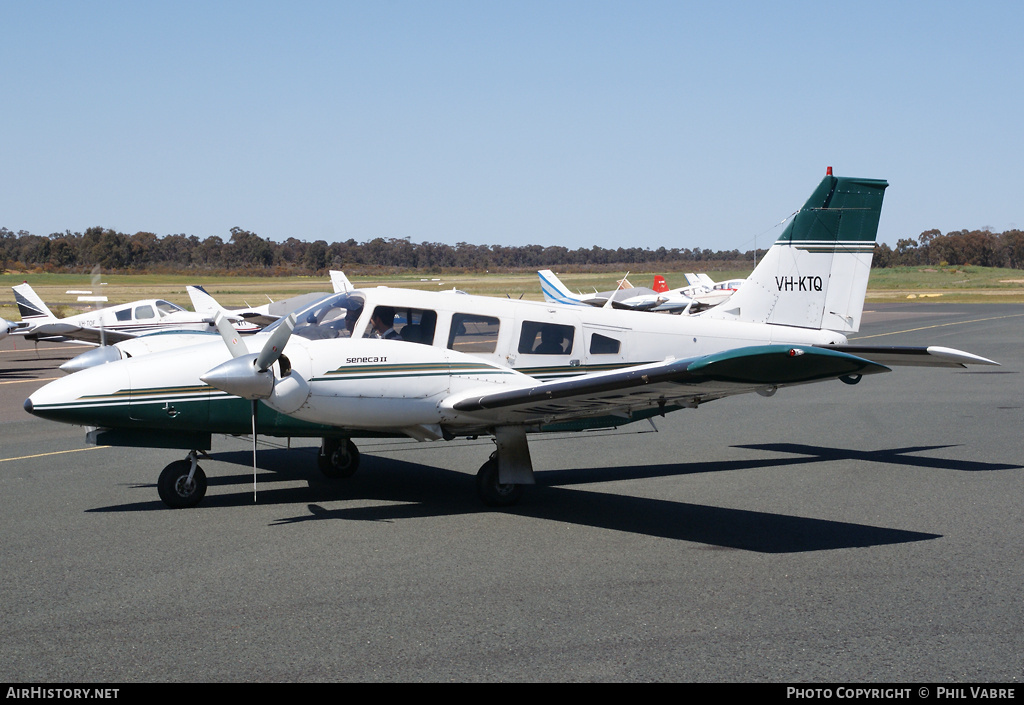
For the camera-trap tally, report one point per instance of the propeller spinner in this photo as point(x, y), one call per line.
point(248, 375)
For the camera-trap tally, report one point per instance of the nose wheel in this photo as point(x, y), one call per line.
point(182, 483)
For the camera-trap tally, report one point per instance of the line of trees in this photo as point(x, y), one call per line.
point(982, 248)
point(247, 252)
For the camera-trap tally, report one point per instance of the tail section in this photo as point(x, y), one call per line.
point(816, 273)
point(555, 292)
point(202, 302)
point(340, 282)
point(660, 284)
point(30, 306)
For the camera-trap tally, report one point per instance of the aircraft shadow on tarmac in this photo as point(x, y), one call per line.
point(412, 490)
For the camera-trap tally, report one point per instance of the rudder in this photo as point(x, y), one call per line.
point(816, 273)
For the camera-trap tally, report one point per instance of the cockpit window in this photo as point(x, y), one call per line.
point(331, 317)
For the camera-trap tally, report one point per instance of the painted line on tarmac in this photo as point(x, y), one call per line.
point(41, 379)
point(41, 350)
point(56, 452)
point(939, 325)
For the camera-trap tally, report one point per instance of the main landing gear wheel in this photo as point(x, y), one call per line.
point(492, 492)
point(176, 489)
point(338, 458)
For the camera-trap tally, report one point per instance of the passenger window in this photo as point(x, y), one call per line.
point(546, 338)
point(125, 314)
point(603, 345)
point(473, 334)
point(413, 325)
point(143, 312)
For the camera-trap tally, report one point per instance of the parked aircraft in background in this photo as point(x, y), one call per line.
point(706, 290)
point(702, 289)
point(207, 306)
point(108, 325)
point(463, 365)
point(626, 296)
point(266, 314)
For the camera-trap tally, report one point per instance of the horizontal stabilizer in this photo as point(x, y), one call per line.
point(931, 356)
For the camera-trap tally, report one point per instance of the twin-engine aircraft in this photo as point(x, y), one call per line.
point(112, 324)
point(440, 365)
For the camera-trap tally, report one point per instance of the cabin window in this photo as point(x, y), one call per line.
point(603, 345)
point(413, 325)
point(471, 333)
point(125, 314)
point(143, 312)
point(546, 338)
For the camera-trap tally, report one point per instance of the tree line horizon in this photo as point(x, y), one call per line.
point(247, 253)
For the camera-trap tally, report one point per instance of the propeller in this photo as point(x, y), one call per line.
point(248, 375)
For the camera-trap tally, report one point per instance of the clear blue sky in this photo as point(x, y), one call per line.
point(676, 124)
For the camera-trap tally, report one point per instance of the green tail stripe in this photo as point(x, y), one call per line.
point(841, 210)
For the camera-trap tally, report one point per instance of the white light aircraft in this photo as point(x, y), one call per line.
point(706, 290)
point(105, 326)
point(463, 365)
point(266, 314)
point(207, 306)
point(626, 296)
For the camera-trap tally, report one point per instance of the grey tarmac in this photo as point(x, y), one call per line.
point(831, 533)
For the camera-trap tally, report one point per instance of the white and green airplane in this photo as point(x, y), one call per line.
point(381, 362)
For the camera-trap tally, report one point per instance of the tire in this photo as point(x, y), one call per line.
point(338, 460)
point(492, 492)
point(174, 488)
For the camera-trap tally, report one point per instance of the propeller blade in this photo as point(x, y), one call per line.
point(274, 346)
point(230, 336)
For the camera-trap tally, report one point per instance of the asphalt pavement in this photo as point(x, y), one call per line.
point(831, 533)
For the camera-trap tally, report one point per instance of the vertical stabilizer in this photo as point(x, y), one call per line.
point(555, 292)
point(340, 282)
point(816, 273)
point(202, 302)
point(30, 306)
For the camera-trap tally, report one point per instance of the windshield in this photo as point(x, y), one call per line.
point(166, 307)
point(331, 317)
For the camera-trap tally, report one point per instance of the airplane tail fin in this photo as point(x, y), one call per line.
point(660, 284)
point(816, 273)
point(707, 281)
point(340, 282)
point(202, 302)
point(30, 306)
point(555, 292)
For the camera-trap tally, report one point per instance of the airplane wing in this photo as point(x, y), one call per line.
point(61, 332)
point(931, 356)
point(668, 385)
